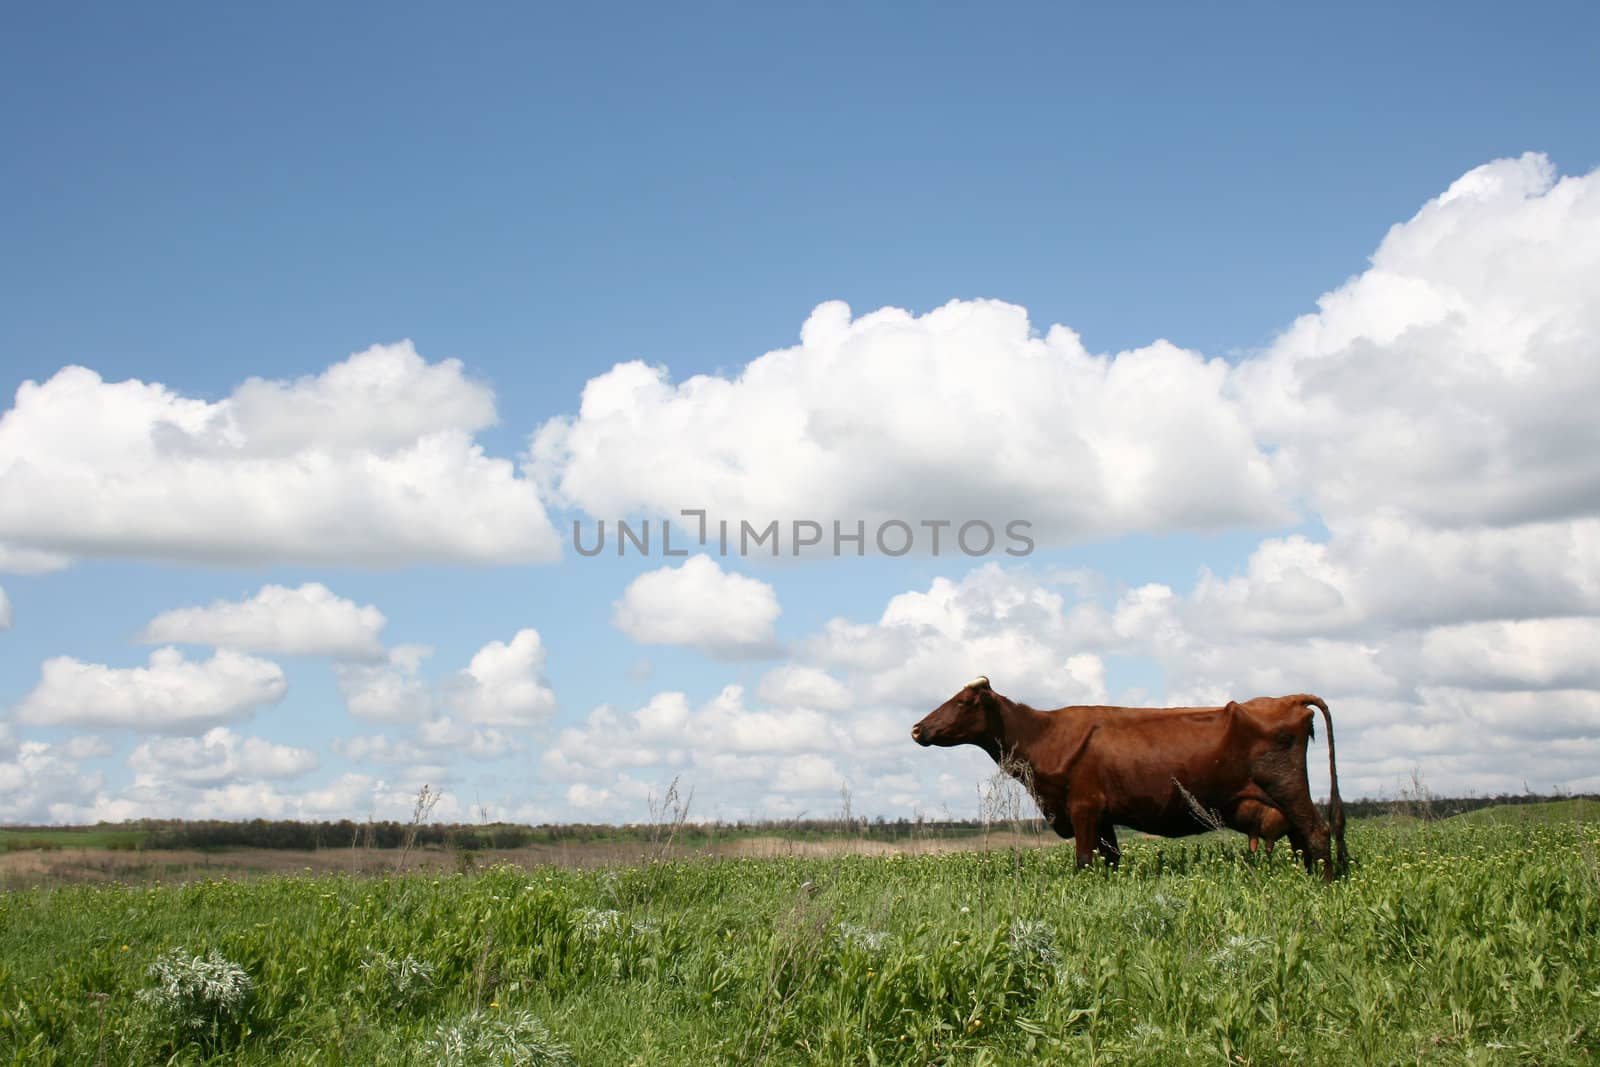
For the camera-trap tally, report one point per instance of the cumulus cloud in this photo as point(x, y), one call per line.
point(796, 685)
point(171, 695)
point(503, 685)
point(41, 783)
point(584, 797)
point(391, 691)
point(378, 748)
point(1451, 381)
point(926, 644)
point(808, 774)
point(14, 560)
point(733, 756)
point(1386, 569)
point(86, 746)
point(217, 757)
point(1527, 654)
point(667, 732)
point(700, 605)
point(962, 413)
point(308, 621)
point(481, 743)
point(371, 463)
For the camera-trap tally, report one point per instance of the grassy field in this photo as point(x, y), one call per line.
point(1466, 941)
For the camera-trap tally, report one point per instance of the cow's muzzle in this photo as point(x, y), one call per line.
point(918, 736)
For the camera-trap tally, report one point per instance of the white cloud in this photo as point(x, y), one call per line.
point(308, 621)
point(667, 733)
point(698, 604)
point(993, 621)
point(171, 695)
point(5, 611)
point(503, 685)
point(1385, 569)
point(727, 724)
point(962, 413)
point(39, 783)
point(794, 685)
point(392, 691)
point(808, 774)
point(371, 463)
point(219, 757)
point(1549, 714)
point(86, 746)
point(1453, 380)
point(15, 560)
point(584, 797)
point(385, 398)
point(656, 734)
point(483, 744)
point(1530, 654)
point(378, 748)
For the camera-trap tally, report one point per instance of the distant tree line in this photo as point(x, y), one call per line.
point(389, 834)
point(1421, 804)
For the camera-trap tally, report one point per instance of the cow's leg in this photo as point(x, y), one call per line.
point(1255, 842)
point(1085, 824)
point(1108, 843)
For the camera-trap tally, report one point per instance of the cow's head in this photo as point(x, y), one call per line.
point(964, 719)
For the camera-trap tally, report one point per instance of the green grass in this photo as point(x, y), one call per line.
point(69, 837)
point(1450, 943)
point(1543, 811)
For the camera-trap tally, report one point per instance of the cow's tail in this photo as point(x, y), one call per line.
point(1335, 805)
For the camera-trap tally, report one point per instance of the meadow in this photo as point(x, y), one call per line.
point(1473, 940)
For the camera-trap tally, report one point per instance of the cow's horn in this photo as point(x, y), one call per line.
point(980, 682)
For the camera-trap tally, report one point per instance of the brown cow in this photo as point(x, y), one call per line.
point(1166, 771)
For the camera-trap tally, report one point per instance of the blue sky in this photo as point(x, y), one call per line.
point(197, 197)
